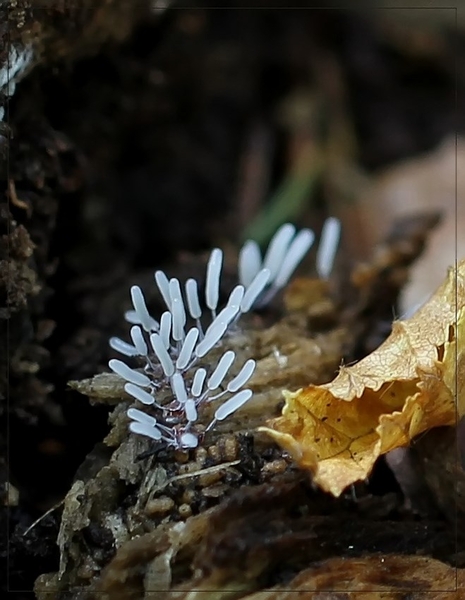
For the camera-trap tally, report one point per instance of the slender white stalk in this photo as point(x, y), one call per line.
point(139, 341)
point(297, 250)
point(212, 285)
point(255, 289)
point(164, 286)
point(224, 317)
point(329, 241)
point(165, 328)
point(199, 380)
point(178, 327)
point(138, 301)
point(175, 290)
point(192, 295)
point(221, 369)
point(145, 429)
point(190, 410)
point(216, 330)
point(278, 248)
point(242, 377)
point(187, 348)
point(132, 317)
point(210, 340)
point(236, 296)
point(177, 310)
point(138, 415)
point(233, 404)
point(162, 354)
point(179, 388)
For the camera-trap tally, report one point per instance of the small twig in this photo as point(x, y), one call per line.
point(49, 511)
point(206, 471)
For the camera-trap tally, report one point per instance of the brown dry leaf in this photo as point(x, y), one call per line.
point(402, 389)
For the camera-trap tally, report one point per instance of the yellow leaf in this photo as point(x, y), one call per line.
point(404, 388)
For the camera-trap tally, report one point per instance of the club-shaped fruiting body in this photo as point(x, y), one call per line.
point(212, 286)
point(327, 248)
point(130, 375)
point(176, 351)
point(123, 347)
point(175, 423)
point(285, 252)
point(140, 308)
point(139, 394)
